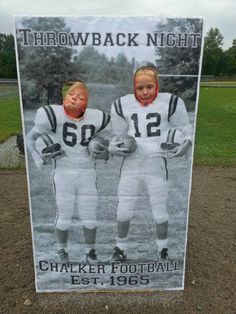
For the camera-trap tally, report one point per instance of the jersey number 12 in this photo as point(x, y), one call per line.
point(152, 126)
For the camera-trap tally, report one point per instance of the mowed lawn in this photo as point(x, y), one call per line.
point(10, 118)
point(216, 128)
point(215, 136)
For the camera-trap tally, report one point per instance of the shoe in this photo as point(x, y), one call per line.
point(164, 254)
point(118, 255)
point(91, 257)
point(64, 257)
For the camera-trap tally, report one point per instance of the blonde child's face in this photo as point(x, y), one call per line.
point(145, 87)
point(75, 101)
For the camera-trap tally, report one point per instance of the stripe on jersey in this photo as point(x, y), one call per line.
point(51, 117)
point(121, 167)
point(55, 193)
point(105, 120)
point(172, 105)
point(118, 108)
point(166, 169)
point(171, 136)
point(47, 139)
point(48, 142)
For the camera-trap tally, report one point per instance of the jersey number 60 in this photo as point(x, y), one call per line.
point(70, 138)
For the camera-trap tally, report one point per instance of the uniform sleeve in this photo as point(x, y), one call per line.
point(104, 129)
point(119, 124)
point(178, 117)
point(45, 120)
point(105, 120)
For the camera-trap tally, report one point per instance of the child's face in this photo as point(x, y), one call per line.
point(75, 101)
point(145, 87)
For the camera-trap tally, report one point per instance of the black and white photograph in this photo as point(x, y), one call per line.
point(109, 107)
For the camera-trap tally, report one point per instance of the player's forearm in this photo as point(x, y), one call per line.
point(30, 141)
point(185, 147)
point(188, 132)
point(187, 144)
point(31, 138)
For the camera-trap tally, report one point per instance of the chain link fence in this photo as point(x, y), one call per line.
point(215, 142)
point(12, 155)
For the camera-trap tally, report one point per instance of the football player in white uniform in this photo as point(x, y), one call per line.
point(145, 115)
point(71, 126)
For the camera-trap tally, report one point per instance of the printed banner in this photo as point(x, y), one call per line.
point(109, 112)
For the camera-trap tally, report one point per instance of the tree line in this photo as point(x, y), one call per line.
point(7, 57)
point(217, 61)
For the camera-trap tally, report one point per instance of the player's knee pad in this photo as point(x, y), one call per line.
point(161, 216)
point(89, 224)
point(62, 224)
point(124, 214)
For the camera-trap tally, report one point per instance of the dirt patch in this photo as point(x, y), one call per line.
point(210, 272)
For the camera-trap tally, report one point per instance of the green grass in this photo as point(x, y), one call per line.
point(218, 83)
point(10, 118)
point(215, 137)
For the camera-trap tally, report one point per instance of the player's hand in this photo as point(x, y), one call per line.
point(115, 149)
point(181, 150)
point(100, 153)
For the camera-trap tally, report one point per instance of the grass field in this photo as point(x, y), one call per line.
point(218, 83)
point(9, 111)
point(215, 136)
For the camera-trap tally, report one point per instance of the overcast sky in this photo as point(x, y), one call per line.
point(217, 13)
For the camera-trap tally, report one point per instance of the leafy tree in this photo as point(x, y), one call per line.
point(97, 68)
point(44, 69)
point(230, 56)
point(7, 57)
point(124, 68)
point(178, 60)
point(213, 57)
point(92, 66)
point(232, 49)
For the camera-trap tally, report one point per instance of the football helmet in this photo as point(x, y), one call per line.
point(169, 141)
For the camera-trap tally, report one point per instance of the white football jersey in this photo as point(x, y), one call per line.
point(148, 123)
point(73, 134)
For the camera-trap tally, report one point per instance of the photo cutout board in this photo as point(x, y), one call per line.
point(109, 109)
